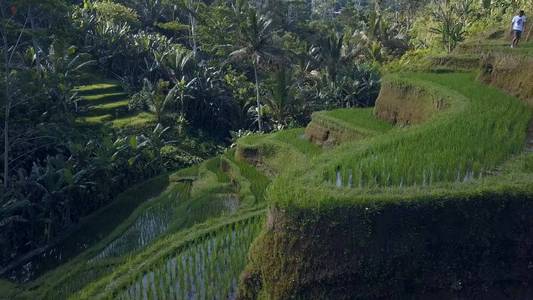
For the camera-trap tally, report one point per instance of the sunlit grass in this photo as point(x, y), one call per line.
point(356, 118)
point(98, 88)
point(116, 104)
point(139, 120)
point(105, 103)
point(96, 120)
point(296, 139)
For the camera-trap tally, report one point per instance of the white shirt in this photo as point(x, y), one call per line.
point(519, 22)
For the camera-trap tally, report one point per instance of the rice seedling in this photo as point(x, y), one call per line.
point(206, 267)
point(458, 146)
point(153, 222)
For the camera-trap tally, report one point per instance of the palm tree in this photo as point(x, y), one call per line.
point(256, 45)
point(281, 99)
point(156, 97)
point(330, 53)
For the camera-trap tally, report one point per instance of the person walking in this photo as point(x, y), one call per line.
point(517, 28)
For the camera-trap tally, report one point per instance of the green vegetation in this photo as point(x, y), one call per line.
point(436, 208)
point(358, 119)
point(103, 102)
point(482, 128)
point(184, 264)
point(409, 180)
point(198, 208)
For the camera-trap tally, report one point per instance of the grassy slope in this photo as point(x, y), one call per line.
point(216, 181)
point(195, 217)
point(160, 252)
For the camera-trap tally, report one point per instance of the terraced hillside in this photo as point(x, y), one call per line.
point(106, 102)
point(198, 229)
point(436, 207)
point(426, 196)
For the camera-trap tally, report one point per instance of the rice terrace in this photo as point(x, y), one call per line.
point(188, 149)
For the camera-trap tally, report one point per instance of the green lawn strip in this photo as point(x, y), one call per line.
point(139, 120)
point(107, 104)
point(358, 119)
point(98, 88)
point(95, 120)
point(483, 128)
point(453, 62)
point(274, 154)
point(485, 133)
point(101, 99)
point(293, 138)
point(110, 285)
point(113, 105)
point(500, 45)
point(296, 139)
point(215, 165)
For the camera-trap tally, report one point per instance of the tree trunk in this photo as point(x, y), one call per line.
point(192, 21)
point(7, 110)
point(8, 99)
point(34, 40)
point(259, 113)
point(6, 141)
point(193, 34)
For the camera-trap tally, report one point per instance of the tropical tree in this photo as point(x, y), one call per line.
point(329, 52)
point(452, 18)
point(255, 41)
point(10, 50)
point(281, 100)
point(155, 96)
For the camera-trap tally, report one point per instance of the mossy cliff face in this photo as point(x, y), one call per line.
point(327, 135)
point(405, 104)
point(471, 246)
point(511, 73)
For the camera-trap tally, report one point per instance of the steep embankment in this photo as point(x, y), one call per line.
point(433, 210)
point(510, 72)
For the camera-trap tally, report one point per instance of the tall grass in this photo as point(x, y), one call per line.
point(151, 223)
point(460, 145)
point(296, 139)
point(207, 269)
point(204, 267)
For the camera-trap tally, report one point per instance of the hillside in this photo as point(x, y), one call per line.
point(436, 207)
point(341, 181)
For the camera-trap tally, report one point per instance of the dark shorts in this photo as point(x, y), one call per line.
point(517, 33)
